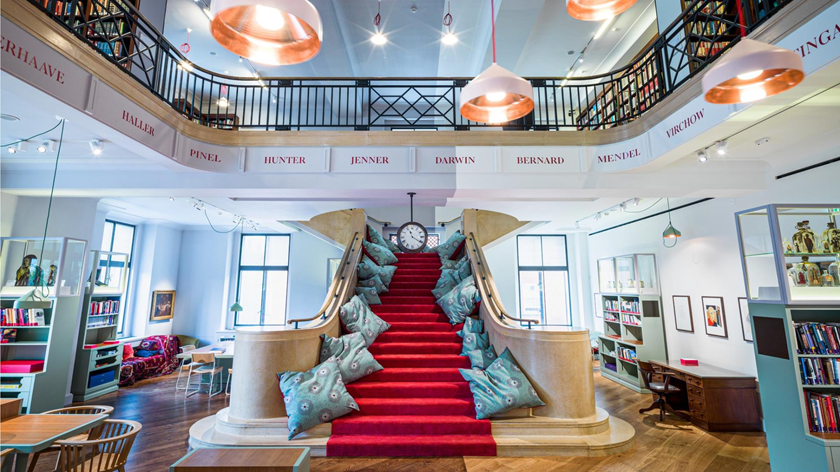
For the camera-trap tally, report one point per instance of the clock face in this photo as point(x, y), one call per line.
point(412, 237)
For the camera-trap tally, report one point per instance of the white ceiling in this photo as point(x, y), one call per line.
point(534, 38)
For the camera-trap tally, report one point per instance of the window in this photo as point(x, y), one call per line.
point(263, 279)
point(118, 237)
point(332, 268)
point(544, 279)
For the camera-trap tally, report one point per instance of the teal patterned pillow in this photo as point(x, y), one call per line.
point(473, 341)
point(460, 302)
point(380, 254)
point(471, 325)
point(393, 247)
point(450, 264)
point(375, 236)
point(358, 318)
point(315, 396)
point(374, 282)
point(368, 295)
point(429, 250)
point(447, 275)
point(445, 287)
point(464, 270)
point(369, 269)
point(354, 360)
point(448, 248)
point(500, 388)
point(482, 359)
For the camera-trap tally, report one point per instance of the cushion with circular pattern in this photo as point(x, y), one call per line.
point(351, 353)
point(500, 388)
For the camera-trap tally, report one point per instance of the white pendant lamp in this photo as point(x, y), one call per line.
point(273, 32)
point(597, 10)
point(751, 71)
point(497, 95)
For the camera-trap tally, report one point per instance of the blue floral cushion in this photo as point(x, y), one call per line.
point(500, 388)
point(374, 282)
point(448, 248)
point(473, 341)
point(374, 236)
point(392, 246)
point(471, 325)
point(369, 269)
point(354, 360)
point(429, 250)
point(368, 295)
point(445, 285)
point(481, 359)
point(464, 270)
point(380, 254)
point(450, 264)
point(358, 318)
point(315, 396)
point(460, 302)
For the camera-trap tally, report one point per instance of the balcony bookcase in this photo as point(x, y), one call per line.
point(107, 30)
point(98, 352)
point(631, 307)
point(40, 333)
point(212, 120)
point(781, 306)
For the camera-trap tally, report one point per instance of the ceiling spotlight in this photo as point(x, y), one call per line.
point(636, 201)
point(275, 32)
point(222, 102)
point(12, 150)
point(240, 58)
point(701, 155)
point(762, 141)
point(449, 39)
point(606, 213)
point(171, 199)
point(721, 146)
point(46, 145)
point(96, 146)
point(622, 207)
point(577, 224)
point(378, 39)
point(597, 216)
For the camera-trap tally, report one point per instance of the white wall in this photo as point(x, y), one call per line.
point(157, 258)
point(706, 262)
point(308, 274)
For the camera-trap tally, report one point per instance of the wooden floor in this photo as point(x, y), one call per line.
point(670, 446)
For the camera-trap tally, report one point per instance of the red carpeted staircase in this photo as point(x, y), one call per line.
point(418, 405)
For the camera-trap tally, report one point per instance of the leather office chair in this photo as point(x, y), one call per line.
point(660, 390)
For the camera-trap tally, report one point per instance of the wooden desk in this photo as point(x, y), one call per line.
point(33, 433)
point(240, 459)
point(718, 399)
point(227, 345)
point(9, 408)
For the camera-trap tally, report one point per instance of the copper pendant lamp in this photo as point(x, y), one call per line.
point(597, 10)
point(273, 32)
point(751, 71)
point(497, 95)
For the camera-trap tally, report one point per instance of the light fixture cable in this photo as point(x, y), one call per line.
point(44, 283)
point(35, 136)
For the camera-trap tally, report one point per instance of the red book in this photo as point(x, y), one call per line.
point(689, 362)
point(21, 366)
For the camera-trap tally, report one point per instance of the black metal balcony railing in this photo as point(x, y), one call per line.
point(115, 28)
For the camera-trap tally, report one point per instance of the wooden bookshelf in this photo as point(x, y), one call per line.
point(213, 120)
point(107, 26)
point(712, 30)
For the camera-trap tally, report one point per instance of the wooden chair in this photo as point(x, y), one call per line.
point(227, 387)
point(203, 363)
point(106, 454)
point(660, 390)
point(184, 366)
point(86, 436)
point(7, 456)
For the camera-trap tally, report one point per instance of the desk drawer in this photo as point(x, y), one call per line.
point(699, 415)
point(695, 391)
point(697, 382)
point(696, 404)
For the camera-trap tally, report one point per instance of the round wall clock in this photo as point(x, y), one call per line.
point(412, 236)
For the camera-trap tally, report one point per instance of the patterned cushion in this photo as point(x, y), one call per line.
point(482, 359)
point(374, 236)
point(374, 282)
point(393, 247)
point(150, 344)
point(445, 285)
point(380, 254)
point(464, 270)
point(128, 351)
point(429, 250)
point(145, 353)
point(354, 360)
point(473, 341)
point(368, 295)
point(460, 302)
point(358, 318)
point(368, 269)
point(446, 276)
point(447, 249)
point(500, 388)
point(450, 264)
point(138, 368)
point(315, 396)
point(471, 325)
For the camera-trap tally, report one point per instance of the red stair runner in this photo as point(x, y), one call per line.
point(418, 405)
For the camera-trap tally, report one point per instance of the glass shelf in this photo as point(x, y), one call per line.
point(629, 275)
point(54, 264)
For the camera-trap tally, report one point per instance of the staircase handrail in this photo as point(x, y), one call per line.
point(444, 223)
point(487, 287)
point(383, 223)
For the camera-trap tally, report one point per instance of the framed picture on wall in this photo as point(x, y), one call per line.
point(163, 305)
point(714, 317)
point(746, 327)
point(682, 313)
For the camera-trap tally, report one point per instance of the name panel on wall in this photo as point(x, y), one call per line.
point(540, 159)
point(818, 41)
point(686, 123)
point(204, 156)
point(618, 156)
point(27, 58)
point(286, 160)
point(454, 159)
point(374, 160)
point(125, 116)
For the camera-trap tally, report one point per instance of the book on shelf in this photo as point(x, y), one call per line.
point(628, 306)
point(22, 317)
point(630, 320)
point(610, 317)
point(105, 307)
point(9, 335)
point(823, 412)
point(817, 338)
point(626, 354)
point(819, 371)
point(108, 320)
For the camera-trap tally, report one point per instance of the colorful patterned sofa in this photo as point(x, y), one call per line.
point(134, 369)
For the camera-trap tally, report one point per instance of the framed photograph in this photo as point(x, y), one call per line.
point(163, 305)
point(682, 313)
point(598, 307)
point(714, 317)
point(746, 327)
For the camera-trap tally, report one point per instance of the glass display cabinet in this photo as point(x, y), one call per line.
point(631, 274)
point(54, 264)
point(791, 253)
